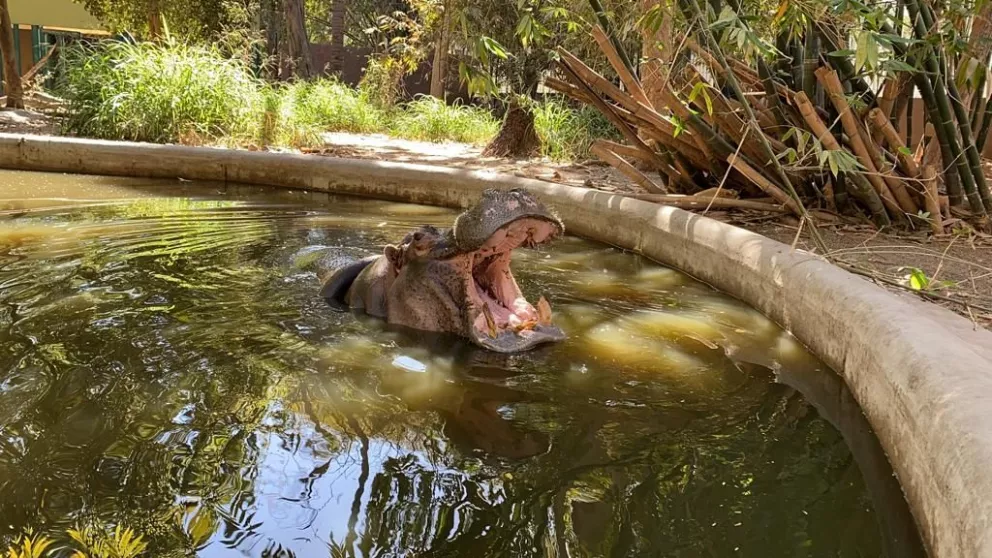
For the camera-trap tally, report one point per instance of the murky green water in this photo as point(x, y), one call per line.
point(162, 368)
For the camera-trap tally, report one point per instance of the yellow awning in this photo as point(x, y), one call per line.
point(62, 14)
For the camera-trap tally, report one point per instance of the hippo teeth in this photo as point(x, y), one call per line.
point(543, 312)
point(490, 321)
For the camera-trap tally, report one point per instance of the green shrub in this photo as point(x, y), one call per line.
point(428, 118)
point(567, 133)
point(158, 93)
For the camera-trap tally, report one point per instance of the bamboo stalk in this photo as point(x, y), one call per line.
point(752, 119)
point(983, 132)
point(619, 67)
point(859, 184)
point(934, 93)
point(972, 155)
point(767, 186)
point(932, 199)
point(604, 21)
point(625, 168)
point(835, 91)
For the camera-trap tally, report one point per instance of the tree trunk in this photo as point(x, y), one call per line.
point(299, 43)
point(338, 11)
point(656, 55)
point(517, 136)
point(272, 22)
point(15, 94)
point(154, 21)
point(440, 66)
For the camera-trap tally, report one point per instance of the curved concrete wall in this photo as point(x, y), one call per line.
point(922, 375)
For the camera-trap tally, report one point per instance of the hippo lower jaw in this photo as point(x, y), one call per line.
point(500, 317)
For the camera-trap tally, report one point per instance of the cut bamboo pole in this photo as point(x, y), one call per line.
point(767, 186)
point(926, 140)
point(890, 93)
point(880, 123)
point(628, 79)
point(883, 127)
point(835, 91)
point(932, 199)
point(858, 184)
point(628, 170)
point(894, 183)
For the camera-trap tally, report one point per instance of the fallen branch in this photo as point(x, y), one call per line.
point(693, 202)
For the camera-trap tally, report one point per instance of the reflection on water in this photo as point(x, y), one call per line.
point(164, 367)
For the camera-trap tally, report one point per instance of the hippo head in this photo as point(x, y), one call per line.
point(459, 280)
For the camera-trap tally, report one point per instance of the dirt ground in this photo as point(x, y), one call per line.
point(957, 268)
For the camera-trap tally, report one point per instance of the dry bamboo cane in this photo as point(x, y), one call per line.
point(932, 199)
point(749, 111)
point(767, 186)
point(859, 184)
point(625, 151)
point(627, 169)
point(598, 84)
point(612, 116)
point(619, 67)
point(835, 91)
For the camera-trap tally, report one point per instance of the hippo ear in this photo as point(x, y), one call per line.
point(394, 255)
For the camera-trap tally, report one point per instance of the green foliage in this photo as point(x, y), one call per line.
point(29, 545)
point(157, 93)
point(97, 543)
point(567, 133)
point(192, 19)
point(90, 542)
point(429, 118)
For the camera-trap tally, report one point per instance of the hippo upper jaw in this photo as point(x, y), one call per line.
point(500, 318)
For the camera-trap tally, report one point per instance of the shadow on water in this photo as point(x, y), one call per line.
point(163, 368)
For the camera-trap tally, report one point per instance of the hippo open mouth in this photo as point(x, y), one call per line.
point(455, 280)
point(504, 320)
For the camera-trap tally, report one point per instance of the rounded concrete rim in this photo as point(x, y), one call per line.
point(921, 374)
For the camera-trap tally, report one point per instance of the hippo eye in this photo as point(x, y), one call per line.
point(418, 236)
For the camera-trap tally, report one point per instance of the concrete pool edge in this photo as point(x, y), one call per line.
point(922, 375)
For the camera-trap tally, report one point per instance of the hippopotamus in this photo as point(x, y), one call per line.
point(455, 280)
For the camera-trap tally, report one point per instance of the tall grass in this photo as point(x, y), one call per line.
point(567, 133)
point(333, 106)
point(428, 118)
point(148, 92)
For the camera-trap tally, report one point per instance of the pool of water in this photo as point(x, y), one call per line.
point(163, 367)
